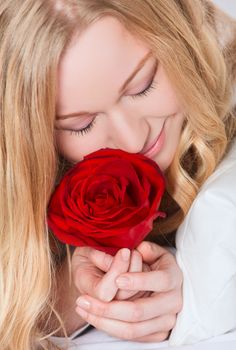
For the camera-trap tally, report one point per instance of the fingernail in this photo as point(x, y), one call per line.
point(125, 254)
point(122, 282)
point(83, 303)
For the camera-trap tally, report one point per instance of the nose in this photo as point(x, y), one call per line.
point(127, 131)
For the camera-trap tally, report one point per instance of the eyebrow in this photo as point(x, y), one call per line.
point(123, 87)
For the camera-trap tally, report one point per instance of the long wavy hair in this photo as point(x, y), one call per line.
point(186, 37)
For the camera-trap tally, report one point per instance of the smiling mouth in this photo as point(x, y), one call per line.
point(156, 145)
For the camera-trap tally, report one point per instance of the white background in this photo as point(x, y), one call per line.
point(227, 5)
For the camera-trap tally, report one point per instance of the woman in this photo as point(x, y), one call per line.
point(192, 110)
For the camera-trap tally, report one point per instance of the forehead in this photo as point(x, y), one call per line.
point(102, 55)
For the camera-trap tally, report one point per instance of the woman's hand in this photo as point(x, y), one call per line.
point(146, 319)
point(95, 273)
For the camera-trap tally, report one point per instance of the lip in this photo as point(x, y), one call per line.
point(156, 145)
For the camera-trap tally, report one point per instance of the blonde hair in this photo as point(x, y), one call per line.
point(183, 35)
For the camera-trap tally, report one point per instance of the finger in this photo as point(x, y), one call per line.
point(92, 281)
point(106, 289)
point(155, 281)
point(151, 251)
point(121, 294)
point(85, 275)
point(160, 258)
point(135, 262)
point(127, 330)
point(135, 266)
point(153, 338)
point(100, 259)
point(138, 295)
point(133, 311)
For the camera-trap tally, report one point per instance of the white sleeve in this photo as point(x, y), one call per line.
point(206, 254)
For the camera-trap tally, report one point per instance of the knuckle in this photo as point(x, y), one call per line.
point(179, 304)
point(172, 321)
point(81, 252)
point(178, 280)
point(176, 301)
point(101, 259)
point(162, 336)
point(169, 322)
point(106, 261)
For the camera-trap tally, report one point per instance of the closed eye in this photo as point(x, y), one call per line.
point(81, 131)
point(146, 91)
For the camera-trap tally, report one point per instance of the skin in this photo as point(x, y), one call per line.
point(91, 73)
point(147, 281)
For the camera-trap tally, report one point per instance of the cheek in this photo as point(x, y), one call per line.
point(172, 137)
point(165, 99)
point(69, 147)
point(160, 104)
point(75, 147)
point(164, 105)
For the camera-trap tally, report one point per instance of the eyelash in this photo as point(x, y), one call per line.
point(85, 130)
point(146, 91)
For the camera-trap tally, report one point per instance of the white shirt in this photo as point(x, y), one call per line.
point(206, 254)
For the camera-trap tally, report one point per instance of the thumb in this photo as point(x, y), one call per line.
point(150, 251)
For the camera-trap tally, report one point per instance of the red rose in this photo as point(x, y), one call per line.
point(107, 201)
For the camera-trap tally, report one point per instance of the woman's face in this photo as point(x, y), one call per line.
point(112, 93)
